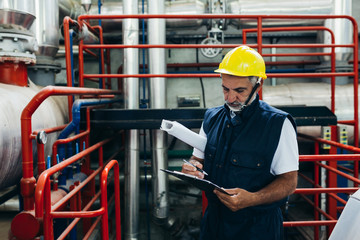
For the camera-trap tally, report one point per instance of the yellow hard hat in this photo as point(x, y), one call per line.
point(243, 61)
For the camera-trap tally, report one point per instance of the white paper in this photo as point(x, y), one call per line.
point(184, 134)
point(347, 227)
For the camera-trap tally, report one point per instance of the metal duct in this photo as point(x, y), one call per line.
point(71, 8)
point(342, 29)
point(46, 27)
point(25, 6)
point(157, 65)
point(17, 44)
point(265, 7)
point(46, 30)
point(171, 7)
point(131, 95)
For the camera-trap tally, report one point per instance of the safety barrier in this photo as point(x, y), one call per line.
point(331, 190)
point(331, 159)
point(43, 200)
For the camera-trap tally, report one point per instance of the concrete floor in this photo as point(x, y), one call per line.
point(8, 210)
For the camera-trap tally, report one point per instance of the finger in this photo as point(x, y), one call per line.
point(188, 167)
point(196, 163)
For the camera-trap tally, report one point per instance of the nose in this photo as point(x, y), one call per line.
point(231, 96)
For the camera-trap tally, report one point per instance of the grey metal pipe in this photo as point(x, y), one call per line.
point(250, 7)
point(342, 29)
point(171, 7)
point(130, 29)
point(157, 65)
point(71, 8)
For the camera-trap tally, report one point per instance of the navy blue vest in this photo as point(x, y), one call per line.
point(238, 154)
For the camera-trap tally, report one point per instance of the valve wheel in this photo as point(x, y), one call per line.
point(210, 52)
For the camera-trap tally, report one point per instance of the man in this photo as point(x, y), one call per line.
point(251, 152)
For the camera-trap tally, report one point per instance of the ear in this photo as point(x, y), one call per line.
point(260, 86)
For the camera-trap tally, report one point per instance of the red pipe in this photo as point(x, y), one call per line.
point(329, 157)
point(14, 73)
point(332, 169)
point(310, 223)
point(26, 226)
point(318, 186)
point(324, 190)
point(332, 143)
point(214, 75)
point(76, 220)
point(28, 181)
point(317, 208)
point(146, 46)
point(66, 23)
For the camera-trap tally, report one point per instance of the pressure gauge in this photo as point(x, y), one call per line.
point(41, 137)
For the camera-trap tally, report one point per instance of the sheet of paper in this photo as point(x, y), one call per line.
point(184, 134)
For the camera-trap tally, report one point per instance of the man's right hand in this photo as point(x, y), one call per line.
point(188, 169)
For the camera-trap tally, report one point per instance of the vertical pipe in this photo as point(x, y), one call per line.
point(131, 96)
point(157, 65)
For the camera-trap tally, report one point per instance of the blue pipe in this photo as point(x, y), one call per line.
point(74, 125)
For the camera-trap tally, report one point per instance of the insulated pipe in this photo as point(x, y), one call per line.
point(342, 29)
point(157, 65)
point(171, 7)
point(46, 27)
point(13, 100)
point(130, 28)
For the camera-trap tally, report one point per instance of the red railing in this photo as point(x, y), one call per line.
point(41, 201)
point(331, 158)
point(47, 212)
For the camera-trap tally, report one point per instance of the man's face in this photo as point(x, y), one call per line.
point(236, 90)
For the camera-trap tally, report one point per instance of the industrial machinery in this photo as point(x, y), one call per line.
point(85, 86)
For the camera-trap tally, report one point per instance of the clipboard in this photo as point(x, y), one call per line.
point(202, 184)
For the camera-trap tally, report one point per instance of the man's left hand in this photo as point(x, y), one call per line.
point(238, 198)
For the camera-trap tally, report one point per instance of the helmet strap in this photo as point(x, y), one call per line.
point(257, 85)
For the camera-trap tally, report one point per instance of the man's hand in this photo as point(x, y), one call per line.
point(281, 187)
point(188, 169)
point(238, 198)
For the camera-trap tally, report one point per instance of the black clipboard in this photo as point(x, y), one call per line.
point(202, 184)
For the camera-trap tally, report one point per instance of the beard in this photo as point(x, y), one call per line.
point(235, 106)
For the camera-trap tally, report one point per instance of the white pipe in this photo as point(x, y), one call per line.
point(131, 95)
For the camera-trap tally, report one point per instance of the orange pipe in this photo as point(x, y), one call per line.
point(14, 74)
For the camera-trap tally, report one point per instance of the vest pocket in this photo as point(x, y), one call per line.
point(247, 160)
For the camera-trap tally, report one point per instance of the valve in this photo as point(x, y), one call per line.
point(212, 39)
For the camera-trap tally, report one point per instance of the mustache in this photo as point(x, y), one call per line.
point(235, 103)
